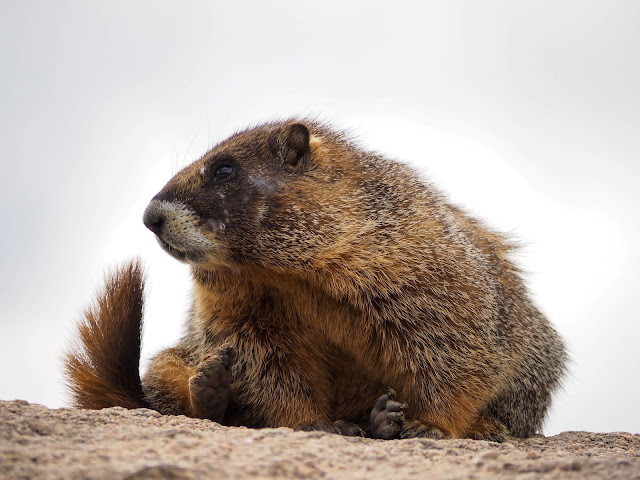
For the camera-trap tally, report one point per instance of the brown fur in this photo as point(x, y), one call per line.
point(335, 273)
point(102, 370)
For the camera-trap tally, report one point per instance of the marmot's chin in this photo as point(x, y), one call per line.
point(176, 253)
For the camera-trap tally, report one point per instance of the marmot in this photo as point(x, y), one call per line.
point(323, 275)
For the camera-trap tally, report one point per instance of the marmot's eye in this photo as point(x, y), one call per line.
point(222, 173)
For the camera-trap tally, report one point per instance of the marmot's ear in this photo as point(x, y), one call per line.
point(295, 143)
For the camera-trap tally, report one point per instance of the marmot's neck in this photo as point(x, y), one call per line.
point(329, 283)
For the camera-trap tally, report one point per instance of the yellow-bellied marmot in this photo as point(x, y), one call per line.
point(323, 275)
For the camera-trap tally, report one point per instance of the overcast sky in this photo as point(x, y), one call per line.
point(527, 113)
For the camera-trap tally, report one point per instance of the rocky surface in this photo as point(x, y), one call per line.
point(115, 443)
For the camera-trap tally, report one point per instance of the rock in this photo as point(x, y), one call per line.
point(114, 443)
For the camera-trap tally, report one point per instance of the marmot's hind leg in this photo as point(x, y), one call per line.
point(388, 422)
point(485, 427)
point(173, 386)
point(418, 429)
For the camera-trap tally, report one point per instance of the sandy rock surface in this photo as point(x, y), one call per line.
point(115, 443)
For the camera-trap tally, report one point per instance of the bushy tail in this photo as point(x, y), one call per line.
point(102, 367)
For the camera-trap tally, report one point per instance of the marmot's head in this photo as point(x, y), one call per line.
point(268, 196)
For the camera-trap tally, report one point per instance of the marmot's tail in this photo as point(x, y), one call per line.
point(102, 368)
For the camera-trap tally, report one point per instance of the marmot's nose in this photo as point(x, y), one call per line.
point(154, 217)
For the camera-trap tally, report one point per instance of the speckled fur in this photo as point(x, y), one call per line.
point(338, 273)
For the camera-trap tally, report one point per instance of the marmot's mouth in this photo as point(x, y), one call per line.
point(173, 251)
point(193, 255)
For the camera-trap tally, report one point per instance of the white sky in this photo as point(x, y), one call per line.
point(527, 113)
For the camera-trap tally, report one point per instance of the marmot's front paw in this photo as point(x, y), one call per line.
point(209, 387)
point(387, 417)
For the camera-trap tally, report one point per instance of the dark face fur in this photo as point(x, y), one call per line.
point(210, 213)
